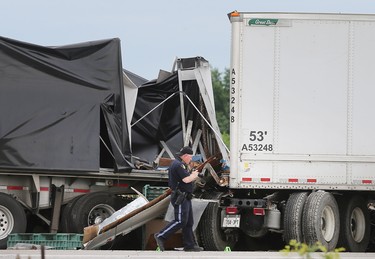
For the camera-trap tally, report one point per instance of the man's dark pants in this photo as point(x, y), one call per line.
point(183, 219)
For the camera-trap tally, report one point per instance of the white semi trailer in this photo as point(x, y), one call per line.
point(302, 151)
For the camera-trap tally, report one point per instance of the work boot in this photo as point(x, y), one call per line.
point(193, 249)
point(159, 241)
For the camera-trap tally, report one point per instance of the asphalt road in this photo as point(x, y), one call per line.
point(105, 254)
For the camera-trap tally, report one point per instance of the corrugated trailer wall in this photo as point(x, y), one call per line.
point(305, 102)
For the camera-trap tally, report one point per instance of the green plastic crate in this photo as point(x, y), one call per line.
point(58, 241)
point(152, 192)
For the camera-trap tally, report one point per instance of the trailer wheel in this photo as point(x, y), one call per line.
point(65, 220)
point(293, 217)
point(321, 222)
point(12, 218)
point(91, 209)
point(211, 234)
point(355, 224)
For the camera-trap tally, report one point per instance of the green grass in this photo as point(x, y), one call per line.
point(305, 251)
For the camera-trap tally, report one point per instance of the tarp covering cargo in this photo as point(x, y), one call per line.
point(73, 108)
point(57, 102)
point(175, 110)
point(164, 123)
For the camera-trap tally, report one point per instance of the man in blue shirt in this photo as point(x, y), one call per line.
point(181, 179)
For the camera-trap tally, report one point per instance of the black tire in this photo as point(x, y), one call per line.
point(293, 217)
point(90, 208)
point(355, 224)
point(65, 220)
point(210, 232)
point(321, 220)
point(12, 218)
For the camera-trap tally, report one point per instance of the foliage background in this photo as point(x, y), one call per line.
point(220, 84)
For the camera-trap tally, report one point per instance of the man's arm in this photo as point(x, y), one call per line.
point(191, 177)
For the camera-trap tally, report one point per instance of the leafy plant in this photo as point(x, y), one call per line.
point(220, 84)
point(305, 251)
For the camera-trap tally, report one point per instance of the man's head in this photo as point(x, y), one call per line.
point(186, 154)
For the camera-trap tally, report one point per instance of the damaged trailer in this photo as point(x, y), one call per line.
point(77, 131)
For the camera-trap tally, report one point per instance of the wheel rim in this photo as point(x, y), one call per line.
point(6, 222)
point(328, 223)
point(357, 225)
point(99, 213)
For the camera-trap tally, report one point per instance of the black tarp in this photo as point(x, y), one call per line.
point(52, 100)
point(164, 123)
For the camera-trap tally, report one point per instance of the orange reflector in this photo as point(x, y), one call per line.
point(235, 14)
point(231, 210)
point(259, 211)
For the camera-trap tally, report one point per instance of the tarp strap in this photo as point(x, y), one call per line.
point(169, 97)
point(109, 150)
